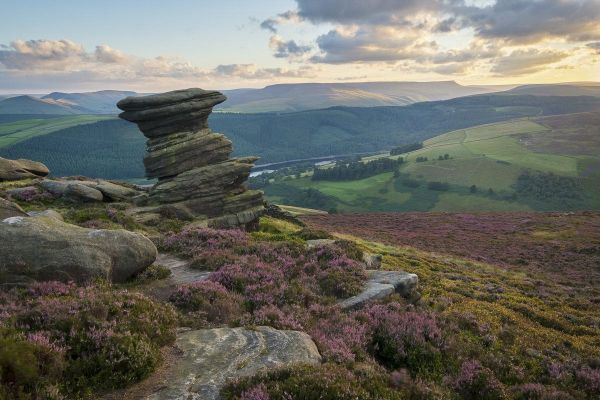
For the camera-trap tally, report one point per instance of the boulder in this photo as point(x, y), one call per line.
point(13, 170)
point(60, 187)
point(43, 248)
point(115, 192)
point(196, 177)
point(78, 193)
point(211, 357)
point(46, 213)
point(380, 285)
point(9, 209)
point(312, 243)
point(372, 261)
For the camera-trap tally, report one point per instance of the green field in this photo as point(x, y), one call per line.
point(15, 132)
point(489, 157)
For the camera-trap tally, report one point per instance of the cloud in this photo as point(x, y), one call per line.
point(366, 44)
point(394, 31)
point(106, 54)
point(520, 62)
point(45, 64)
point(595, 46)
point(287, 49)
point(514, 20)
point(271, 24)
point(47, 54)
point(251, 71)
point(362, 11)
point(530, 21)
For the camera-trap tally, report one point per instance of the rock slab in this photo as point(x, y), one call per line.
point(211, 357)
point(44, 248)
point(13, 170)
point(380, 285)
point(196, 177)
point(9, 209)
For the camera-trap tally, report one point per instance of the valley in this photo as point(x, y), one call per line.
point(488, 168)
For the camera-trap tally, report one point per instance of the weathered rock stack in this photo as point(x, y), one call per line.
point(196, 177)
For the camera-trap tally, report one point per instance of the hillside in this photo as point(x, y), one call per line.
point(280, 137)
point(34, 105)
point(311, 96)
point(16, 130)
point(101, 102)
point(96, 146)
point(580, 89)
point(346, 130)
point(545, 163)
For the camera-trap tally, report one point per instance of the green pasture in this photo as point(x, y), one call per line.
point(15, 132)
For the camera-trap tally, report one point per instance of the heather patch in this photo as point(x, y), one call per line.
point(208, 303)
point(325, 382)
point(79, 339)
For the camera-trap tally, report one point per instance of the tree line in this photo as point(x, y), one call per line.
point(356, 170)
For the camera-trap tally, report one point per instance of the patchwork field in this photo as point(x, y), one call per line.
point(485, 168)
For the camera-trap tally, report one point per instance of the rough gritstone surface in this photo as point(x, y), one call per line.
point(12, 170)
point(211, 357)
point(44, 248)
point(115, 192)
point(9, 209)
point(79, 193)
point(181, 272)
point(380, 285)
point(196, 178)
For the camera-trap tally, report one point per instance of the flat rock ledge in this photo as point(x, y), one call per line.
point(181, 272)
point(211, 357)
point(380, 285)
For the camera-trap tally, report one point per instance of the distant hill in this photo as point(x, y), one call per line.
point(344, 130)
point(102, 102)
point(311, 96)
point(276, 137)
point(32, 105)
point(567, 89)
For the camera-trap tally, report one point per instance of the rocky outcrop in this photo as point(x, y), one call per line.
point(115, 192)
point(380, 285)
point(85, 191)
point(273, 210)
point(13, 170)
point(78, 193)
point(196, 177)
point(9, 209)
point(43, 248)
point(213, 356)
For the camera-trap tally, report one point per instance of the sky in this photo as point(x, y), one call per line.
point(149, 45)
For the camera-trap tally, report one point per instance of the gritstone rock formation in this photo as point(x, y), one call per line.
point(196, 177)
point(13, 170)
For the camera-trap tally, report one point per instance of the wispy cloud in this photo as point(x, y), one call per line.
point(34, 61)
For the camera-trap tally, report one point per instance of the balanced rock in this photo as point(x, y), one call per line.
point(196, 177)
point(44, 248)
point(211, 357)
point(13, 170)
